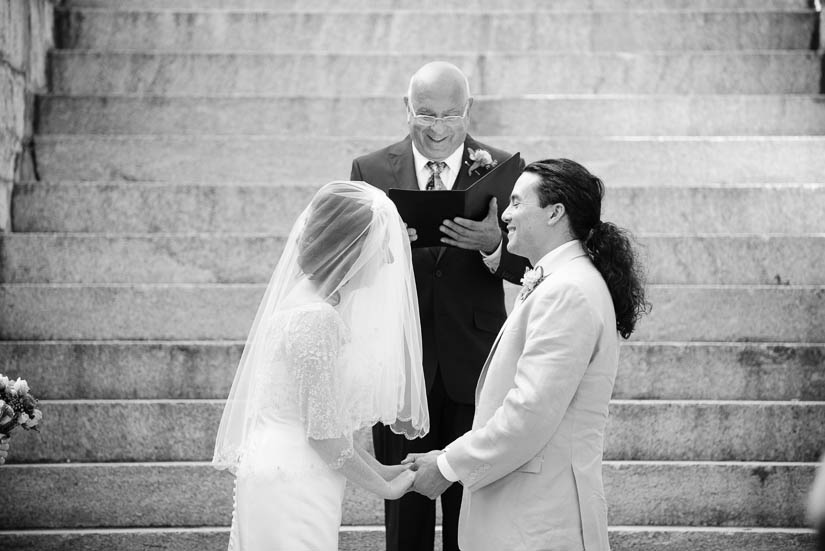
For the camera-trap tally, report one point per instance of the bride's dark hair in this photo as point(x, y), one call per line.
point(332, 237)
point(609, 246)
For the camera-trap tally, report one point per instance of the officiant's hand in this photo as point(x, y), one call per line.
point(428, 478)
point(411, 233)
point(482, 235)
point(4, 449)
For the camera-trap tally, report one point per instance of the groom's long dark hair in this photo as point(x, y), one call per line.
point(610, 247)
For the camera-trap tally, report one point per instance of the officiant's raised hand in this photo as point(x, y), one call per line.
point(482, 235)
point(428, 478)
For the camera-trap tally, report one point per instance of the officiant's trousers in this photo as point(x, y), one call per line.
point(410, 521)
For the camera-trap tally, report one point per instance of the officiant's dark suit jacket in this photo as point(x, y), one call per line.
point(461, 302)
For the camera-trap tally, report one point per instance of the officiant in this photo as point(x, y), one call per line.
point(460, 291)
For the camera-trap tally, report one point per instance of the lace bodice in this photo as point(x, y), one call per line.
point(305, 348)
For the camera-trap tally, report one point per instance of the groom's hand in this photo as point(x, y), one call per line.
point(428, 478)
point(482, 235)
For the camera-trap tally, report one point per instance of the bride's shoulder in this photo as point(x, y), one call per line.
point(318, 315)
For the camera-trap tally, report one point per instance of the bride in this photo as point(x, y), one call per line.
point(335, 347)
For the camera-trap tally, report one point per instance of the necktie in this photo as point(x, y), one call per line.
point(435, 175)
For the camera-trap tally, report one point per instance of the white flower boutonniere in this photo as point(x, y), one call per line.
point(530, 280)
point(481, 159)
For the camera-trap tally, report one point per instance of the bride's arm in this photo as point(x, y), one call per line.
point(359, 472)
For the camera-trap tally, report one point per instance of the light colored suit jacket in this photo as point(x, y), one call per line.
point(532, 465)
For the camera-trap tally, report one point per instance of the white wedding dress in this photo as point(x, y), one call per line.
point(335, 347)
point(286, 496)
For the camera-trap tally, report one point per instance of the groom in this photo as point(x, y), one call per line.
point(460, 294)
point(531, 465)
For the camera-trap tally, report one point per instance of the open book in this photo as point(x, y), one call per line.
point(426, 210)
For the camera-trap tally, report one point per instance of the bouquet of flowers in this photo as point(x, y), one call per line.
point(17, 406)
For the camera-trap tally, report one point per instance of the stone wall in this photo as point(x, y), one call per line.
point(25, 38)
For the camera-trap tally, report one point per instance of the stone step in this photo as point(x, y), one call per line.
point(665, 161)
point(476, 5)
point(144, 207)
point(547, 115)
point(734, 494)
point(372, 538)
point(225, 311)
point(649, 430)
point(242, 258)
point(83, 72)
point(417, 30)
point(205, 369)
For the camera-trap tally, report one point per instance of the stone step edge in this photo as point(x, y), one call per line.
point(613, 463)
point(262, 285)
point(543, 54)
point(235, 342)
point(791, 138)
point(357, 11)
point(284, 235)
point(621, 401)
point(623, 186)
point(476, 97)
point(378, 528)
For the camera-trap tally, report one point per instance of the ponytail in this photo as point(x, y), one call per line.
point(610, 248)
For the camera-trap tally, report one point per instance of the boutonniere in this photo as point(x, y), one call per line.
point(481, 159)
point(530, 280)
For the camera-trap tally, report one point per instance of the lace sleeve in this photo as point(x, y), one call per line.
point(313, 350)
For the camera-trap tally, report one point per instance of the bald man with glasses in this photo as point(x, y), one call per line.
point(460, 292)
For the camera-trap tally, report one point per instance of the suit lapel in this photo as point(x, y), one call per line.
point(483, 375)
point(403, 164)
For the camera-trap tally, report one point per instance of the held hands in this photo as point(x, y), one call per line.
point(428, 478)
point(401, 484)
point(483, 235)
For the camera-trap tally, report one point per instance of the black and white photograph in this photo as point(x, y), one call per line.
point(412, 275)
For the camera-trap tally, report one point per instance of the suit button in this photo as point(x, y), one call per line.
point(438, 273)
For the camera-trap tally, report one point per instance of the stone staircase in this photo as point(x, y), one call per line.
point(181, 138)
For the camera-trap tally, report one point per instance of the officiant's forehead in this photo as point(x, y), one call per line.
point(441, 86)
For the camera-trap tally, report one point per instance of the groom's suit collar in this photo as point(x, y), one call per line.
point(560, 256)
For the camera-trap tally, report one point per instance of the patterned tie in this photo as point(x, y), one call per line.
point(435, 175)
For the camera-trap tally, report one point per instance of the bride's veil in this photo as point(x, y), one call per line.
point(348, 249)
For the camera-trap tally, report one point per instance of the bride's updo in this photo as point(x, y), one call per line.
point(336, 227)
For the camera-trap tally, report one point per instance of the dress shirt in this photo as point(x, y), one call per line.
point(448, 177)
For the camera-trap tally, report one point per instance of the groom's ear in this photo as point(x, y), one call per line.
point(555, 213)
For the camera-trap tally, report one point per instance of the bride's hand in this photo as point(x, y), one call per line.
point(399, 485)
point(388, 472)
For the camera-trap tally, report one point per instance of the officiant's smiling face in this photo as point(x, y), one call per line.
point(438, 106)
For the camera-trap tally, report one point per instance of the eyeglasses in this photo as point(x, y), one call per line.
point(429, 120)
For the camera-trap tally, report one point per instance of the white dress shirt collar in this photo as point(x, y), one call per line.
point(448, 175)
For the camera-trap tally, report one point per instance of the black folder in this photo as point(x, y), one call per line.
point(426, 210)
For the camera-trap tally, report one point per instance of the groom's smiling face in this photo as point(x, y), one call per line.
point(438, 140)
